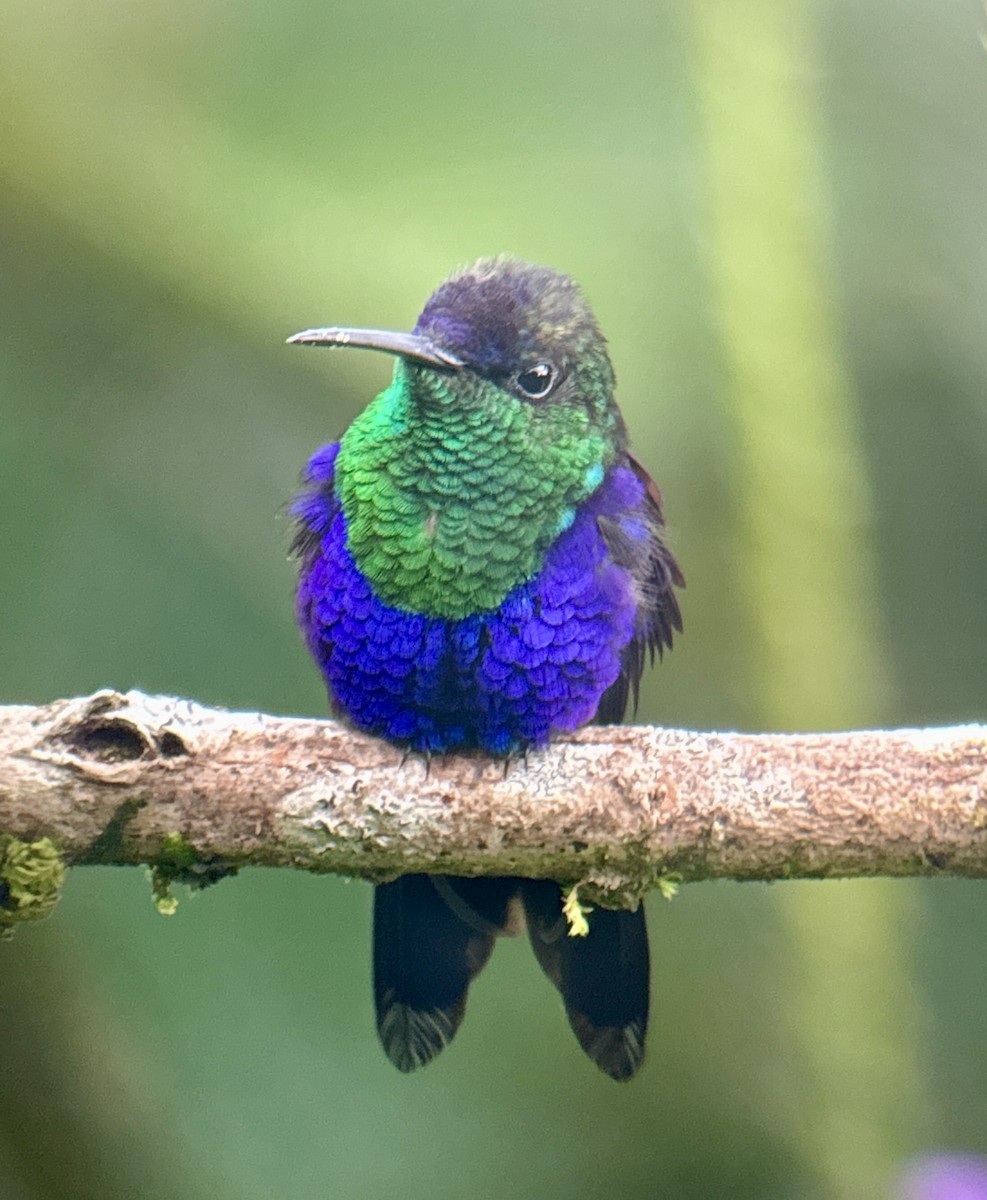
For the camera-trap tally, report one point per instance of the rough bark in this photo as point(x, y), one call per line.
point(130, 778)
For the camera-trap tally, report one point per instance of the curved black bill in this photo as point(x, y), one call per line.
point(407, 345)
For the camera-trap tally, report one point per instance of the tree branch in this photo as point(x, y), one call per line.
point(126, 779)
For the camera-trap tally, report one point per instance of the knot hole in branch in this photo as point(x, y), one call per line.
point(104, 736)
point(110, 739)
point(171, 745)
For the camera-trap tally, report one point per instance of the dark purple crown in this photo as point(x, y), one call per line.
point(498, 312)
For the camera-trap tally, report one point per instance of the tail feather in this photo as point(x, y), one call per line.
point(431, 938)
point(603, 978)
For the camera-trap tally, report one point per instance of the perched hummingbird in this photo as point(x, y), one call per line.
point(481, 568)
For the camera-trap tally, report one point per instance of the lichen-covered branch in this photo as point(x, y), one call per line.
point(129, 778)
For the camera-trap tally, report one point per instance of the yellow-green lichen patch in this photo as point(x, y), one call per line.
point(575, 913)
point(179, 852)
point(162, 897)
point(179, 862)
point(31, 878)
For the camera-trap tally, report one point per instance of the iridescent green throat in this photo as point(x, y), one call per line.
point(453, 489)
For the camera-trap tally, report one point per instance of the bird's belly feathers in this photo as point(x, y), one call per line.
point(498, 681)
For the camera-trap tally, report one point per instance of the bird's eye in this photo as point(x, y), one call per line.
point(537, 381)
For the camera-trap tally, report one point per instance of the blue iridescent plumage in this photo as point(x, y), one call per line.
point(500, 681)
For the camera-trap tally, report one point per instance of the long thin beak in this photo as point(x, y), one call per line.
point(407, 345)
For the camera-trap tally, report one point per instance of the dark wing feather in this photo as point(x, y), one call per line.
point(313, 511)
point(658, 575)
point(315, 507)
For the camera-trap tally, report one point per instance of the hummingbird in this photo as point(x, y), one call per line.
point(482, 567)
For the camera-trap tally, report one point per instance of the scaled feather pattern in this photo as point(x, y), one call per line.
point(502, 680)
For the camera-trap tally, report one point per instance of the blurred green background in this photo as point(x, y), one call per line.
point(778, 211)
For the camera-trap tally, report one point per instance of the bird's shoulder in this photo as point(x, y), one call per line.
point(635, 539)
point(315, 505)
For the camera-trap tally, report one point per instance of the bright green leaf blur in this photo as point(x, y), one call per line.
point(777, 210)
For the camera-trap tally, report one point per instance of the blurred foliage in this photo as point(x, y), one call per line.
point(777, 211)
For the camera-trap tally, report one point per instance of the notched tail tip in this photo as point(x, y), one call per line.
point(412, 1037)
point(618, 1050)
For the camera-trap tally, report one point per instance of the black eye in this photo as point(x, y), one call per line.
point(537, 381)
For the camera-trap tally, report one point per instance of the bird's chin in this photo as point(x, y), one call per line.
point(429, 388)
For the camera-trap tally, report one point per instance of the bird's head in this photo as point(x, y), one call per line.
point(501, 333)
point(499, 423)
